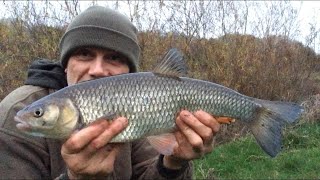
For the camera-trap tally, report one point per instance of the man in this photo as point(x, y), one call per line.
point(99, 42)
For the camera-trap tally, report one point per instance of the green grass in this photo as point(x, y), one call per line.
point(244, 159)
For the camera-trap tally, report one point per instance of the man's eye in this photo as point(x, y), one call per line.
point(114, 57)
point(83, 54)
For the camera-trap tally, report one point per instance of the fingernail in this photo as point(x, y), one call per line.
point(185, 113)
point(197, 112)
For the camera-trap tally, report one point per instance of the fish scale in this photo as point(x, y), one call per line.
point(150, 101)
point(130, 96)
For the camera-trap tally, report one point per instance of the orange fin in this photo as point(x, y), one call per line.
point(163, 143)
point(225, 120)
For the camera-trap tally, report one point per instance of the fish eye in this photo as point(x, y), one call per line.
point(38, 112)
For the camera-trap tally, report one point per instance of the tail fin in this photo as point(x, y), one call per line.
point(267, 127)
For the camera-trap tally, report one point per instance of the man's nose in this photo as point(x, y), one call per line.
point(97, 68)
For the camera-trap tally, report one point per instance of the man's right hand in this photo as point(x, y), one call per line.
point(86, 152)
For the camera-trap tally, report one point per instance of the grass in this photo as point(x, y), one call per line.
point(244, 159)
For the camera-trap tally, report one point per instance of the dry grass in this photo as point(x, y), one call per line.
point(311, 109)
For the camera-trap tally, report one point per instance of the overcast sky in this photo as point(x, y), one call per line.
point(309, 12)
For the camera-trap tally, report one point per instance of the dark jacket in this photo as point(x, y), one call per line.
point(28, 157)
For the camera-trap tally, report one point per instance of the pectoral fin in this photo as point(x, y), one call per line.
point(164, 143)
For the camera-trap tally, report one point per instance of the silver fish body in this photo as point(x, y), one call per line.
point(151, 101)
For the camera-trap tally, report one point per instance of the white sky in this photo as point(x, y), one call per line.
point(310, 10)
point(309, 13)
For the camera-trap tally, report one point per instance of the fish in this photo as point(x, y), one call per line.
point(151, 101)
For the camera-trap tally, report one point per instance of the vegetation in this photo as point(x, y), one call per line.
point(258, 56)
point(222, 43)
point(244, 159)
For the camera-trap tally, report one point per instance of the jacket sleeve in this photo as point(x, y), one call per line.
point(147, 163)
point(22, 156)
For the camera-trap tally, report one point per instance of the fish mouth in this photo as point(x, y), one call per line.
point(22, 125)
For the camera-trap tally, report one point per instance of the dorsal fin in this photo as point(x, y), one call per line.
point(172, 64)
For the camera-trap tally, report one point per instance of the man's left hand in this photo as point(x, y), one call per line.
point(195, 137)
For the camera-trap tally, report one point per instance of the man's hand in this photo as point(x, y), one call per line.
point(195, 137)
point(86, 152)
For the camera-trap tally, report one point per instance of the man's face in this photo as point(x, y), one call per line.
point(91, 63)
